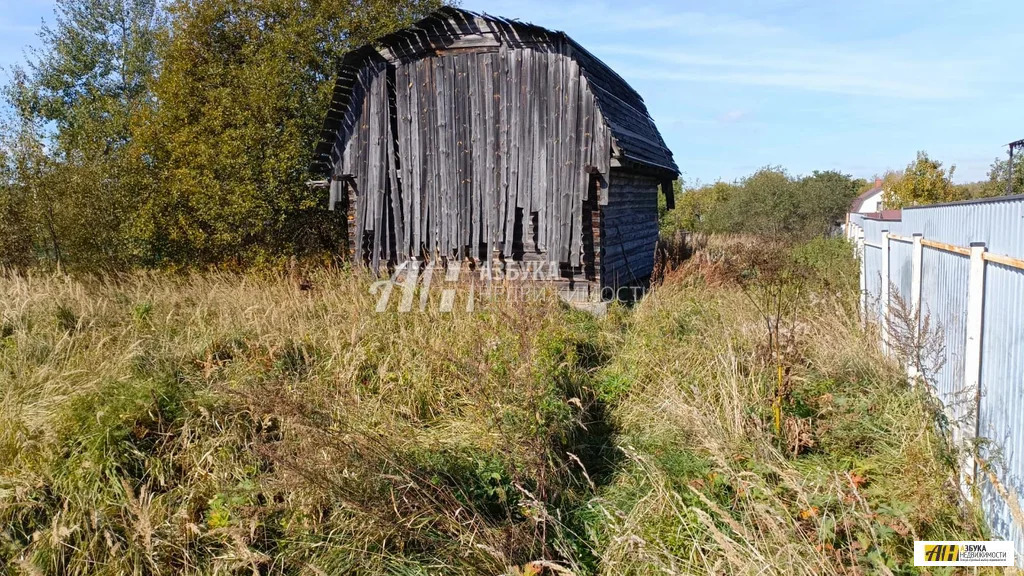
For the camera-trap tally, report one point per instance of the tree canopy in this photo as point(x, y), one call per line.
point(998, 177)
point(179, 134)
point(924, 181)
point(75, 103)
point(768, 202)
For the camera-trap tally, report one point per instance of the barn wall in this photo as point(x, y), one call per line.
point(452, 154)
point(629, 230)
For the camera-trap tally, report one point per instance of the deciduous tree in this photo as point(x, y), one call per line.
point(769, 202)
point(243, 90)
point(76, 101)
point(924, 181)
point(999, 174)
point(824, 200)
point(15, 224)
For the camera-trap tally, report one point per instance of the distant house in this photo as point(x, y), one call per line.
point(870, 201)
point(494, 143)
point(870, 205)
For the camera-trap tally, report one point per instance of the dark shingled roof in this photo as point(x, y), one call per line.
point(635, 137)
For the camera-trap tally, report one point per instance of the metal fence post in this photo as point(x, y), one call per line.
point(885, 291)
point(972, 352)
point(917, 262)
point(863, 277)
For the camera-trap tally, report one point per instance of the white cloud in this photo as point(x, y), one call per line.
point(833, 82)
point(789, 62)
point(675, 45)
point(733, 116)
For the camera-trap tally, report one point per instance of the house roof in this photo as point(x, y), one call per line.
point(635, 138)
point(858, 202)
point(886, 215)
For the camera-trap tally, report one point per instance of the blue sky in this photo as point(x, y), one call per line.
point(805, 84)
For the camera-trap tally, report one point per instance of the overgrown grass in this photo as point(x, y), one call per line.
point(855, 475)
point(225, 424)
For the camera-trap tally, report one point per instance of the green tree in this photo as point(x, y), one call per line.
point(769, 202)
point(34, 193)
point(15, 224)
point(180, 137)
point(697, 209)
point(767, 206)
point(243, 90)
point(998, 175)
point(76, 102)
point(824, 200)
point(923, 182)
point(863, 185)
point(762, 203)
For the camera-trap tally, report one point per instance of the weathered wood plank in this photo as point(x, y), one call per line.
point(525, 142)
point(463, 216)
point(489, 141)
point(501, 147)
point(548, 164)
point(373, 182)
point(477, 153)
point(560, 244)
point(401, 89)
point(575, 169)
point(396, 226)
point(416, 157)
point(432, 203)
point(359, 170)
point(513, 134)
point(442, 131)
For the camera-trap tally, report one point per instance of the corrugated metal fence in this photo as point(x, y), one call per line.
point(969, 255)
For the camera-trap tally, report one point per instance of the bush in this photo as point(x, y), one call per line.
point(769, 202)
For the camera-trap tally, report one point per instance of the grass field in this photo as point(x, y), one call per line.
point(221, 424)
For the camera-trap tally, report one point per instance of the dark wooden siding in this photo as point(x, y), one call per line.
point(629, 229)
point(453, 154)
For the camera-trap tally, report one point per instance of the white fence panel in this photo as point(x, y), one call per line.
point(987, 399)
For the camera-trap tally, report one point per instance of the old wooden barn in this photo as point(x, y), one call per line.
point(494, 143)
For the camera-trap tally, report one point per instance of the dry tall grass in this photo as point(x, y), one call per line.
point(855, 476)
point(224, 424)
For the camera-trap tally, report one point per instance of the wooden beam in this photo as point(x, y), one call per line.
point(1004, 260)
point(946, 247)
point(669, 190)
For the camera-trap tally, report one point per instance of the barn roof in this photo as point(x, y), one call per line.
point(635, 137)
